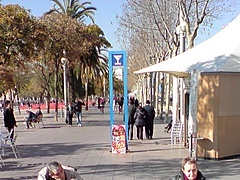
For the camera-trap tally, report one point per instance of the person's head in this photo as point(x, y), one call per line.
point(131, 101)
point(148, 102)
point(7, 103)
point(55, 170)
point(140, 105)
point(189, 168)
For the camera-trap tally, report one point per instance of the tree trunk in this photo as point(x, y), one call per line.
point(56, 92)
point(48, 102)
point(162, 94)
point(71, 87)
point(86, 95)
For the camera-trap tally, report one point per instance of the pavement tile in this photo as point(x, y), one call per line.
point(88, 148)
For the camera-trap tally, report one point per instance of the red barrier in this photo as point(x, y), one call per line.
point(42, 106)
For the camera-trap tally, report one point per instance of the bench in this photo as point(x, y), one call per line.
point(38, 121)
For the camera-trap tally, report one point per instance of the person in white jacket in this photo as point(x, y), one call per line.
point(56, 171)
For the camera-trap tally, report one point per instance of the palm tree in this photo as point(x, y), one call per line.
point(96, 64)
point(91, 65)
point(74, 9)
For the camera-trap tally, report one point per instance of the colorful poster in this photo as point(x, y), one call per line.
point(118, 139)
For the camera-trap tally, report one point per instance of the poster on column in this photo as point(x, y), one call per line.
point(118, 139)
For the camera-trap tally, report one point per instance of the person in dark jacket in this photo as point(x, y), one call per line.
point(78, 109)
point(120, 104)
point(39, 112)
point(70, 112)
point(189, 170)
point(149, 120)
point(136, 102)
point(140, 116)
point(31, 118)
point(9, 119)
point(131, 120)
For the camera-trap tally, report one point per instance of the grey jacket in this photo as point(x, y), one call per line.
point(70, 173)
point(140, 116)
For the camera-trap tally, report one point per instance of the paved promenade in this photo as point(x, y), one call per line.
point(88, 148)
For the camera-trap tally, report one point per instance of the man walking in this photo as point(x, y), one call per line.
point(149, 120)
point(131, 119)
point(9, 119)
point(78, 110)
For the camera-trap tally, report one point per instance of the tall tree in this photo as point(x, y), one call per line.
point(64, 34)
point(77, 10)
point(20, 34)
point(148, 27)
point(74, 9)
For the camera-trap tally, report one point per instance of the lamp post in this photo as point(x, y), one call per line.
point(86, 89)
point(64, 64)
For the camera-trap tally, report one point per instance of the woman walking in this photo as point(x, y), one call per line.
point(140, 116)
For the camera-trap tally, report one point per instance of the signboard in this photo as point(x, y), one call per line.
point(117, 59)
point(119, 74)
point(118, 139)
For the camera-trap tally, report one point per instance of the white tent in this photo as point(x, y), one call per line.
point(221, 53)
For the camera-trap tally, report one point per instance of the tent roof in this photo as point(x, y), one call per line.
point(221, 53)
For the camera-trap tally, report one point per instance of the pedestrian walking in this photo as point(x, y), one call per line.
point(149, 120)
point(9, 119)
point(1, 106)
point(131, 120)
point(115, 104)
point(102, 104)
point(136, 102)
point(140, 116)
point(70, 112)
point(29, 105)
point(120, 105)
point(78, 110)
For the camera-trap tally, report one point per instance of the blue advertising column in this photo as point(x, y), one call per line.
point(118, 59)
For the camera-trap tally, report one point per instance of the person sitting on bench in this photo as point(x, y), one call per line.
point(31, 118)
point(39, 113)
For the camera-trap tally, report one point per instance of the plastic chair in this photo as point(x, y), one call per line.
point(10, 142)
point(2, 163)
point(176, 134)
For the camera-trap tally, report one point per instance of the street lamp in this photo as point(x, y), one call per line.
point(64, 64)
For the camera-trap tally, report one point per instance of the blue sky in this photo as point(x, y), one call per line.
point(105, 16)
point(106, 13)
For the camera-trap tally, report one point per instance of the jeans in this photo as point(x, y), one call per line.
point(140, 132)
point(79, 117)
point(70, 119)
point(130, 131)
